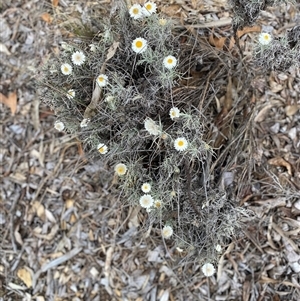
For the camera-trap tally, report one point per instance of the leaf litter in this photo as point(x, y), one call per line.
point(64, 222)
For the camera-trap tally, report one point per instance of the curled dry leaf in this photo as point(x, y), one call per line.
point(49, 236)
point(263, 113)
point(18, 236)
point(291, 109)
point(4, 49)
point(230, 41)
point(281, 162)
point(217, 42)
point(25, 274)
point(47, 18)
point(55, 3)
point(10, 101)
point(172, 10)
point(39, 209)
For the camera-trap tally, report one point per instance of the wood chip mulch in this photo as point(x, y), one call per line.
point(64, 232)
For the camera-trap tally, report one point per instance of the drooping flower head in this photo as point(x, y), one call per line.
point(162, 22)
point(120, 169)
point(174, 113)
point(167, 232)
point(157, 204)
point(180, 144)
point(139, 45)
point(59, 125)
point(66, 69)
point(170, 62)
point(78, 58)
point(102, 80)
point(93, 48)
point(102, 148)
point(146, 201)
point(151, 127)
point(71, 94)
point(264, 38)
point(136, 11)
point(218, 248)
point(149, 8)
point(208, 269)
point(85, 122)
point(146, 187)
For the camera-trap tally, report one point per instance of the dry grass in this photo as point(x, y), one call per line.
point(66, 234)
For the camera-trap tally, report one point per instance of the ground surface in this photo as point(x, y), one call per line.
point(65, 234)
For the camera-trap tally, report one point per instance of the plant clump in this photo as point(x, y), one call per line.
point(118, 93)
point(278, 54)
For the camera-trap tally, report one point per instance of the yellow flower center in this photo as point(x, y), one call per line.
point(173, 113)
point(149, 6)
point(66, 69)
point(139, 44)
point(101, 150)
point(135, 11)
point(100, 79)
point(170, 61)
point(180, 143)
point(266, 37)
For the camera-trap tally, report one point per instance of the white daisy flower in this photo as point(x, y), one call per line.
point(218, 248)
point(120, 169)
point(85, 122)
point(149, 8)
point(167, 232)
point(58, 125)
point(102, 80)
point(151, 127)
point(102, 148)
point(136, 11)
point(146, 187)
point(208, 269)
point(170, 62)
point(180, 144)
point(78, 58)
point(174, 113)
point(66, 69)
point(146, 201)
point(264, 38)
point(139, 45)
point(157, 204)
point(71, 94)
